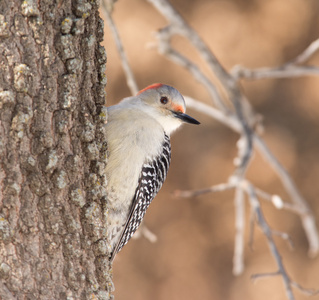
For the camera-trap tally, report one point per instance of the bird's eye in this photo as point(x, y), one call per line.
point(164, 100)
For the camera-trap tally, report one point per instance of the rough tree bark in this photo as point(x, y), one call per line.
point(52, 151)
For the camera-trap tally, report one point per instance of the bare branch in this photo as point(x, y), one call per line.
point(238, 259)
point(226, 119)
point(308, 220)
point(274, 199)
point(145, 232)
point(307, 53)
point(285, 71)
point(300, 205)
point(130, 79)
point(268, 233)
point(255, 277)
point(308, 292)
point(288, 70)
point(286, 237)
point(215, 188)
point(251, 228)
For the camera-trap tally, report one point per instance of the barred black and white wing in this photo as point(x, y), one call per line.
point(151, 180)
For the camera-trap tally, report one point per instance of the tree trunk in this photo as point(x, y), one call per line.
point(52, 151)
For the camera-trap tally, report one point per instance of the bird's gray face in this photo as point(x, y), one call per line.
point(168, 101)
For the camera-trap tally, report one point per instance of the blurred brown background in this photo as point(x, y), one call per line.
point(192, 258)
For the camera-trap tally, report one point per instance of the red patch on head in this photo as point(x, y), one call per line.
point(150, 87)
point(178, 108)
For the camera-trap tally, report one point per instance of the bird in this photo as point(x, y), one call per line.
point(138, 133)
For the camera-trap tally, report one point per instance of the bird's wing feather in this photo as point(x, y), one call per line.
point(151, 179)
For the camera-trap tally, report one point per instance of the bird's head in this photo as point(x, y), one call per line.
point(166, 105)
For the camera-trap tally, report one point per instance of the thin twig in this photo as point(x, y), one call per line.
point(255, 277)
point(238, 259)
point(251, 228)
point(130, 79)
point(308, 292)
point(287, 70)
point(143, 231)
point(307, 53)
point(226, 119)
point(283, 204)
point(286, 237)
point(215, 188)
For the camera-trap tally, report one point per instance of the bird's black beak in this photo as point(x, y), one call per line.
point(185, 118)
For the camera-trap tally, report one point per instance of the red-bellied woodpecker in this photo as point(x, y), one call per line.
point(139, 152)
